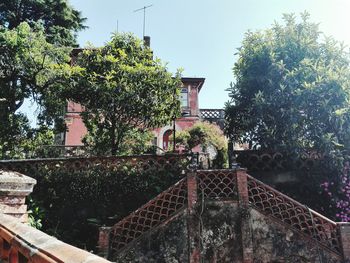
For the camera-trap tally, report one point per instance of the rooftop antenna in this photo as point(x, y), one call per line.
point(144, 16)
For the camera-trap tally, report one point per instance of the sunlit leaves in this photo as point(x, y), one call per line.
point(293, 81)
point(125, 89)
point(30, 68)
point(59, 20)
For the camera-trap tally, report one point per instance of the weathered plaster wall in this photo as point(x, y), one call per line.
point(76, 129)
point(165, 244)
point(221, 239)
point(273, 242)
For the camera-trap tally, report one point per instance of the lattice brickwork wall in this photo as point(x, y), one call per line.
point(217, 184)
point(141, 162)
point(149, 216)
point(294, 214)
point(276, 161)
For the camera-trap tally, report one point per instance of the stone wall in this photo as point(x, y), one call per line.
point(166, 243)
point(221, 236)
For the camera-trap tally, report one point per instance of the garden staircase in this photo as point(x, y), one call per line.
point(226, 216)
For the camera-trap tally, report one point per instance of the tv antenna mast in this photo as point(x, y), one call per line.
point(144, 16)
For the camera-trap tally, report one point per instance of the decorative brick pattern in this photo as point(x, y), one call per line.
point(173, 162)
point(46, 151)
point(275, 161)
point(232, 185)
point(217, 184)
point(294, 214)
point(149, 216)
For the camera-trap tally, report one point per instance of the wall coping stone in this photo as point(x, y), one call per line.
point(15, 177)
point(34, 243)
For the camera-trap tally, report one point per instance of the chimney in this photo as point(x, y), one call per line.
point(147, 41)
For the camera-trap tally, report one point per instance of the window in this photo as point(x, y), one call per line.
point(167, 140)
point(184, 97)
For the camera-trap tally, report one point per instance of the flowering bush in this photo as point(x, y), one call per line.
point(339, 193)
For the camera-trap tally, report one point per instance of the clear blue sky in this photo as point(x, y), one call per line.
point(202, 36)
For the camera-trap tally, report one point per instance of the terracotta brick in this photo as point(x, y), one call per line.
point(192, 191)
point(37, 246)
point(243, 197)
point(193, 222)
point(242, 186)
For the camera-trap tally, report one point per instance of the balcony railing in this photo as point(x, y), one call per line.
point(212, 114)
point(216, 116)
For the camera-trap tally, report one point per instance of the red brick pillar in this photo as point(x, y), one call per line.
point(344, 230)
point(243, 201)
point(193, 222)
point(103, 241)
point(13, 257)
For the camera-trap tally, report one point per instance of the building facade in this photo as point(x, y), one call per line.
point(190, 114)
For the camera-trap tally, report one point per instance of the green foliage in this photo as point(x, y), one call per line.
point(291, 89)
point(75, 203)
point(30, 68)
point(205, 134)
point(29, 143)
point(291, 93)
point(60, 21)
point(124, 89)
point(202, 133)
point(36, 213)
point(136, 142)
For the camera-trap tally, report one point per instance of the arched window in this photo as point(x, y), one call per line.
point(167, 140)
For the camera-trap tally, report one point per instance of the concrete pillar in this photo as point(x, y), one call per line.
point(193, 222)
point(14, 187)
point(344, 230)
point(243, 201)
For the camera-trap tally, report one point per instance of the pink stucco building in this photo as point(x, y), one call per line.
point(75, 125)
point(189, 111)
point(162, 135)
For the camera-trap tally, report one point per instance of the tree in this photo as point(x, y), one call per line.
point(60, 20)
point(292, 89)
point(30, 68)
point(206, 135)
point(122, 88)
point(292, 93)
point(136, 142)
